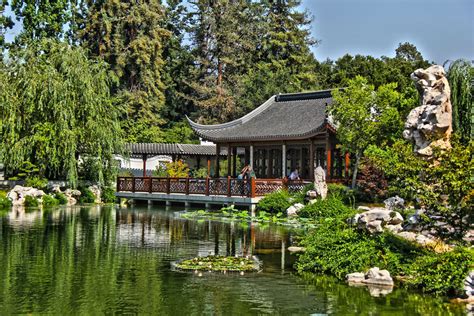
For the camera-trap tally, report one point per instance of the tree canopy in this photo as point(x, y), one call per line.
point(55, 106)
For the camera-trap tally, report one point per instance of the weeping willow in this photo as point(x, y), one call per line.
point(461, 80)
point(55, 106)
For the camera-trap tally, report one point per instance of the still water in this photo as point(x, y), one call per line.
point(103, 260)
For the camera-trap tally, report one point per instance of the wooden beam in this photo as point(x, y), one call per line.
point(311, 160)
point(229, 159)
point(208, 166)
point(347, 164)
point(216, 169)
point(328, 157)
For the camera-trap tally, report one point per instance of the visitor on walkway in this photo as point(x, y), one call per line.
point(294, 175)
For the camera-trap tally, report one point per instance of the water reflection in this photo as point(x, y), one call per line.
point(95, 260)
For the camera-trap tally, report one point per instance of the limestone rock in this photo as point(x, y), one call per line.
point(96, 191)
point(394, 203)
point(430, 124)
point(18, 194)
point(356, 277)
point(292, 211)
point(469, 284)
point(379, 277)
point(320, 185)
point(378, 218)
point(295, 249)
point(377, 290)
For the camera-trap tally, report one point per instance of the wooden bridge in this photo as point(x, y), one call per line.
point(203, 190)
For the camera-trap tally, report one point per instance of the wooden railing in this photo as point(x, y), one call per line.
point(208, 186)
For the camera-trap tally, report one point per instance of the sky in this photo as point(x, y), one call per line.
point(440, 29)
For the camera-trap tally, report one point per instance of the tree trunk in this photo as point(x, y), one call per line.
point(356, 168)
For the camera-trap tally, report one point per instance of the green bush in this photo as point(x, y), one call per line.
point(342, 192)
point(108, 195)
point(4, 201)
point(86, 196)
point(330, 207)
point(442, 273)
point(276, 202)
point(49, 200)
point(62, 199)
point(36, 182)
point(31, 201)
point(299, 197)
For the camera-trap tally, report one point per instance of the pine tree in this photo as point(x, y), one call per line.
point(129, 36)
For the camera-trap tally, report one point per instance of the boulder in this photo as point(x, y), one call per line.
point(295, 249)
point(292, 211)
point(377, 219)
point(356, 277)
point(394, 203)
point(378, 277)
point(96, 191)
point(18, 194)
point(430, 124)
point(320, 185)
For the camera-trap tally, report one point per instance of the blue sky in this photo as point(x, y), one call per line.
point(440, 29)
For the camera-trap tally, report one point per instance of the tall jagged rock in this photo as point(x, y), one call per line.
point(430, 124)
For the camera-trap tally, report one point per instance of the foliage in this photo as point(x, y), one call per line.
point(180, 133)
point(276, 202)
point(86, 196)
point(108, 195)
point(199, 173)
point(341, 192)
point(299, 197)
point(177, 169)
point(160, 171)
point(365, 116)
point(4, 201)
point(30, 173)
point(49, 200)
point(328, 208)
point(218, 263)
point(461, 80)
point(371, 183)
point(54, 104)
point(36, 182)
point(62, 198)
point(31, 201)
point(129, 37)
point(442, 273)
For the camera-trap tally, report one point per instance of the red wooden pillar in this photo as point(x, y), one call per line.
point(186, 186)
point(252, 187)
point(207, 185)
point(347, 163)
point(229, 160)
point(208, 166)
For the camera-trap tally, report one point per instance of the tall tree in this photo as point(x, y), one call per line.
point(129, 36)
point(6, 23)
point(365, 116)
point(55, 105)
point(461, 80)
point(223, 37)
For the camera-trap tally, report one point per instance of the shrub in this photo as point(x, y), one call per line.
point(442, 273)
point(177, 169)
point(31, 201)
point(49, 200)
point(299, 197)
point(342, 192)
point(86, 196)
point(4, 201)
point(275, 202)
point(62, 199)
point(330, 207)
point(108, 195)
point(200, 173)
point(371, 183)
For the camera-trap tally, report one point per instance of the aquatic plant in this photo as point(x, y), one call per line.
point(219, 263)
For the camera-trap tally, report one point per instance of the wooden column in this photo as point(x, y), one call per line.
point(328, 158)
point(283, 160)
point(229, 160)
point(144, 158)
point(251, 156)
point(208, 166)
point(311, 161)
point(347, 164)
point(234, 162)
point(216, 169)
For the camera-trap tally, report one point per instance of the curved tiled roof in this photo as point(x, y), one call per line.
point(171, 149)
point(284, 116)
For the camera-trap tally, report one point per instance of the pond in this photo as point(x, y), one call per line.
point(97, 259)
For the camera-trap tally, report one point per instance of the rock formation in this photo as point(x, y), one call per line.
point(18, 194)
point(430, 124)
point(293, 210)
point(376, 219)
point(320, 185)
point(379, 282)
